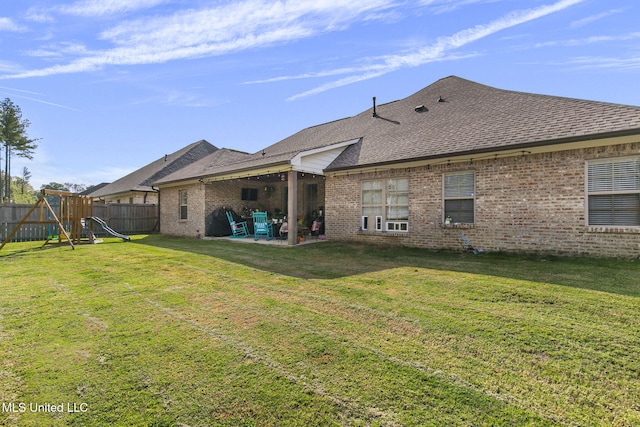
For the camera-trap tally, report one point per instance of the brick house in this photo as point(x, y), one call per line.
point(512, 171)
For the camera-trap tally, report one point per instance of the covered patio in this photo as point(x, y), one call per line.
point(284, 180)
point(288, 186)
point(294, 197)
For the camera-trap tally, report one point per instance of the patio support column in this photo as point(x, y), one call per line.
point(292, 214)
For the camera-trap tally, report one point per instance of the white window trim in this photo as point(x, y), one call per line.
point(595, 193)
point(180, 205)
point(398, 226)
point(473, 197)
point(379, 223)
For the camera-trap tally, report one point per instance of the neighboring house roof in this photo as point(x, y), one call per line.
point(143, 178)
point(94, 188)
point(451, 117)
point(206, 166)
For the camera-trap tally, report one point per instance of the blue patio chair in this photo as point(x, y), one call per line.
point(262, 226)
point(239, 229)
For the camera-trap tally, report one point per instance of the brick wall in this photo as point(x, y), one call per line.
point(227, 194)
point(170, 222)
point(531, 203)
point(271, 195)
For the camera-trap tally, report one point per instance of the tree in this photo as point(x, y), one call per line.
point(23, 192)
point(54, 186)
point(25, 178)
point(75, 188)
point(15, 140)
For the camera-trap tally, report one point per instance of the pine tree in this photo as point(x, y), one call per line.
point(26, 175)
point(14, 139)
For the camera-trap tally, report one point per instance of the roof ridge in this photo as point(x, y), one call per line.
point(326, 123)
point(534, 94)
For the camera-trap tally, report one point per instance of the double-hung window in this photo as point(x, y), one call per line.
point(385, 205)
point(397, 206)
point(459, 197)
point(613, 192)
point(182, 196)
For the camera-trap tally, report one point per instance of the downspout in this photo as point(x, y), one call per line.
point(159, 207)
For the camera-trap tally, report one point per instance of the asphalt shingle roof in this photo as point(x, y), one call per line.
point(458, 117)
point(143, 178)
point(476, 118)
point(206, 166)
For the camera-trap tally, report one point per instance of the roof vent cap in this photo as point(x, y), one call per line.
point(420, 109)
point(440, 99)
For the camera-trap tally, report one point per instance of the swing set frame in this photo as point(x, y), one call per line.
point(72, 209)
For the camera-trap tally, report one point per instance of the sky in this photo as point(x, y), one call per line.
point(109, 86)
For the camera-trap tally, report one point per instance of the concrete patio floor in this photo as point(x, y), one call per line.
point(262, 241)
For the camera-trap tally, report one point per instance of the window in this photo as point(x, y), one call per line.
point(249, 194)
point(397, 210)
point(310, 201)
point(459, 197)
point(613, 192)
point(182, 194)
point(385, 205)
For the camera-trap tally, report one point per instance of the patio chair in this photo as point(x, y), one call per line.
point(284, 231)
point(316, 228)
point(262, 226)
point(239, 229)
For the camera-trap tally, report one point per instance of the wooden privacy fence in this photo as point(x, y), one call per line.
point(124, 218)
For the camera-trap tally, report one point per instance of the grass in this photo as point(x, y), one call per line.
point(179, 332)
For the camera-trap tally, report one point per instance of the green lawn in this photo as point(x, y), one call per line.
point(180, 332)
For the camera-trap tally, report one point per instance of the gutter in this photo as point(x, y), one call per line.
point(232, 174)
point(504, 148)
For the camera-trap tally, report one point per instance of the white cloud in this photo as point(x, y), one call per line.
point(9, 67)
point(107, 7)
point(178, 97)
point(39, 16)
point(30, 95)
point(249, 20)
point(588, 62)
point(60, 51)
point(593, 18)
point(215, 31)
point(438, 50)
point(447, 6)
point(590, 40)
point(7, 24)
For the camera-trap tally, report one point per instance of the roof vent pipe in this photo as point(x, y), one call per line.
point(375, 114)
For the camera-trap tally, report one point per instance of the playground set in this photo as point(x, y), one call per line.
point(60, 208)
